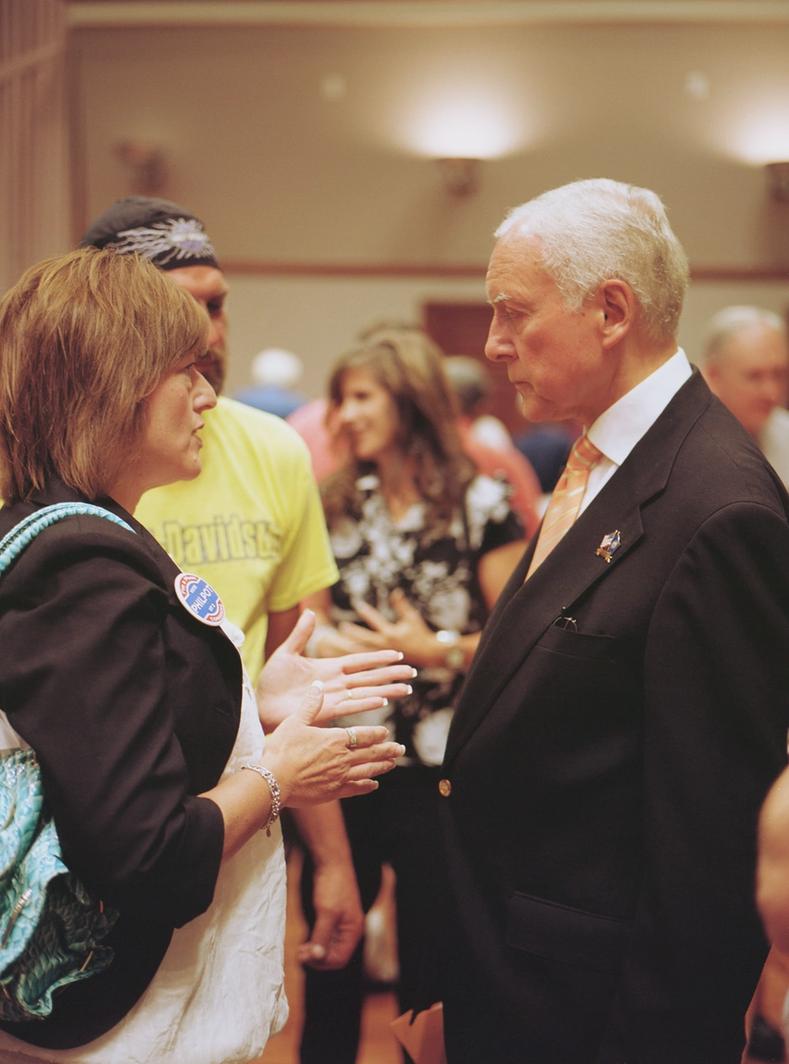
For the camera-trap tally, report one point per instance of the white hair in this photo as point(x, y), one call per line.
point(276, 367)
point(591, 231)
point(730, 321)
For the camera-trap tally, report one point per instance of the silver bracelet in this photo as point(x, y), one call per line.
point(273, 786)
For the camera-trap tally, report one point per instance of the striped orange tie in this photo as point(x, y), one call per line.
point(566, 499)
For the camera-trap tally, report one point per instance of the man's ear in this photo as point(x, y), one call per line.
point(618, 306)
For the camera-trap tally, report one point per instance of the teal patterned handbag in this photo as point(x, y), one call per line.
point(50, 927)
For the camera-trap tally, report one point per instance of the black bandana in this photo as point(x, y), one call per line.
point(157, 229)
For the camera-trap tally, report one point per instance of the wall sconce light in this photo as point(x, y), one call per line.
point(145, 162)
point(460, 176)
point(778, 181)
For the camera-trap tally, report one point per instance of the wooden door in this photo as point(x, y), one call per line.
point(461, 329)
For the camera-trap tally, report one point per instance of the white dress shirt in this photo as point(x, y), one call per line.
point(619, 428)
point(774, 441)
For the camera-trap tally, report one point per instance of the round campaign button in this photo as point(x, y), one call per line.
point(199, 598)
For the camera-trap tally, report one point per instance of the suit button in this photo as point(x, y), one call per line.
point(445, 788)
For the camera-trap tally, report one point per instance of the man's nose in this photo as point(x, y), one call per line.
point(496, 346)
point(771, 389)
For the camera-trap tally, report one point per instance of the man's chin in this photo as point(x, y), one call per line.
point(531, 409)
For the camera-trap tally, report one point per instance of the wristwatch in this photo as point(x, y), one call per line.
point(454, 657)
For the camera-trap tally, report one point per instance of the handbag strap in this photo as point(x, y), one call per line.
point(14, 542)
point(21, 535)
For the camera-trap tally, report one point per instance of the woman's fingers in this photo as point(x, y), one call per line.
point(348, 706)
point(358, 787)
point(368, 771)
point(310, 708)
point(300, 633)
point(363, 698)
point(361, 701)
point(362, 735)
point(392, 674)
point(375, 661)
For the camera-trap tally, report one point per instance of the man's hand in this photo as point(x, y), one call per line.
point(339, 920)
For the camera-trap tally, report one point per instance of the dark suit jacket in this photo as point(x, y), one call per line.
point(607, 775)
point(132, 707)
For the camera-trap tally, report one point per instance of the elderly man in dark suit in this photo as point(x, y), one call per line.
point(626, 711)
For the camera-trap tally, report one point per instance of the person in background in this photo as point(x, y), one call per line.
point(471, 386)
point(746, 364)
point(326, 450)
point(770, 1008)
point(251, 524)
point(154, 763)
point(471, 383)
point(316, 424)
point(625, 713)
point(424, 545)
point(275, 374)
point(545, 448)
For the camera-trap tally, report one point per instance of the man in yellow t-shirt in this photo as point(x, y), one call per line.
point(251, 524)
point(259, 538)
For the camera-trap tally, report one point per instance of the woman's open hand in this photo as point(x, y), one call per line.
point(351, 683)
point(319, 764)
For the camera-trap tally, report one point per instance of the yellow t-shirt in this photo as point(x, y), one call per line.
point(251, 524)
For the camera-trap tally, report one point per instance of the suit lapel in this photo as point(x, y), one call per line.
point(526, 610)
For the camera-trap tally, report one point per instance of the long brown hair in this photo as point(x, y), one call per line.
point(408, 365)
point(84, 339)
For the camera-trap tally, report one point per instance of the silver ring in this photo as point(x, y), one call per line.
point(353, 739)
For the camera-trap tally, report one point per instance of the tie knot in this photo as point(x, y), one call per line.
point(583, 455)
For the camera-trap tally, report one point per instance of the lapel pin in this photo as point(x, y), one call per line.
point(609, 545)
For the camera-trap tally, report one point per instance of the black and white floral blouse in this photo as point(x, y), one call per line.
point(376, 554)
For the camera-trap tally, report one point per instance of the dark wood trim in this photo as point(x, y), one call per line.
point(739, 273)
point(259, 268)
point(342, 269)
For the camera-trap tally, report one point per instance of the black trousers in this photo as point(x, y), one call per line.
point(397, 825)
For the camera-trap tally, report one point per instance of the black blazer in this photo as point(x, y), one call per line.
point(132, 707)
point(606, 771)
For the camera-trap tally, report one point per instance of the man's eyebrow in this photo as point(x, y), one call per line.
point(502, 297)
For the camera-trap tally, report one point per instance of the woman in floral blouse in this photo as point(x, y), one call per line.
point(424, 546)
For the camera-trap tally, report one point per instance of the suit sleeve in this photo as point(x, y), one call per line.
point(716, 681)
point(82, 631)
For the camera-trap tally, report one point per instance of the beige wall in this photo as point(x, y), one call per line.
point(34, 162)
point(282, 174)
point(318, 317)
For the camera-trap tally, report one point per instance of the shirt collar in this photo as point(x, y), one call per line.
point(619, 428)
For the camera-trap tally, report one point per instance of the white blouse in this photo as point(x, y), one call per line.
point(219, 992)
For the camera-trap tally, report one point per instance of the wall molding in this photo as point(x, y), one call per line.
point(418, 13)
point(260, 268)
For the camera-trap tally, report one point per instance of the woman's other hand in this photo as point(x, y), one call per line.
point(319, 764)
point(352, 683)
point(408, 632)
